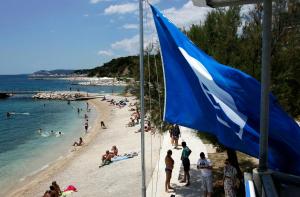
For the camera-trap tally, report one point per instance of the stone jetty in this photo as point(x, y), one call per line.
point(65, 95)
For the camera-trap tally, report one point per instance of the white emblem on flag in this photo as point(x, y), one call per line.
point(222, 100)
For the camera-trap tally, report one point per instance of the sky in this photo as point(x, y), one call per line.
point(78, 34)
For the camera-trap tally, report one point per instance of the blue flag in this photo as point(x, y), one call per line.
point(202, 94)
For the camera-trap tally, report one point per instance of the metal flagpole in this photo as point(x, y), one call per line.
point(142, 98)
point(265, 83)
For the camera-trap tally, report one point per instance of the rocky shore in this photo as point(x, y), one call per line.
point(101, 81)
point(65, 95)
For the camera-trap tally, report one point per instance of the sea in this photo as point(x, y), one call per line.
point(23, 150)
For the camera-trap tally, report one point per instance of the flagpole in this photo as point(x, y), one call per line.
point(265, 86)
point(142, 97)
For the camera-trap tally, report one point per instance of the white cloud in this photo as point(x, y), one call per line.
point(105, 53)
point(121, 8)
point(130, 26)
point(181, 17)
point(187, 15)
point(96, 1)
point(86, 15)
point(153, 2)
point(130, 45)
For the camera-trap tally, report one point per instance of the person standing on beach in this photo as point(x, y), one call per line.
point(175, 135)
point(186, 163)
point(169, 167)
point(78, 111)
point(205, 167)
point(86, 125)
point(171, 135)
point(87, 106)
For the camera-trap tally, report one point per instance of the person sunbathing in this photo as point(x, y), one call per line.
point(78, 143)
point(131, 123)
point(147, 127)
point(114, 151)
point(53, 192)
point(106, 158)
point(56, 187)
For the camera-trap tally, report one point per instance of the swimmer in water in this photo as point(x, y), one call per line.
point(40, 131)
point(8, 114)
point(52, 132)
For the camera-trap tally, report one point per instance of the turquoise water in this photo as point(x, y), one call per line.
point(23, 151)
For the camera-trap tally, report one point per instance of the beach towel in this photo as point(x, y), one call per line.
point(71, 188)
point(120, 158)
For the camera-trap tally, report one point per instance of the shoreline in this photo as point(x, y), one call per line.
point(80, 167)
point(61, 162)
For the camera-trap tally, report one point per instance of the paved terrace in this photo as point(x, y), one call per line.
point(156, 186)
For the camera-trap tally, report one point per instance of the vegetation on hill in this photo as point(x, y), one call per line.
point(119, 67)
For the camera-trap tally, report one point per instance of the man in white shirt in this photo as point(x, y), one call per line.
point(205, 167)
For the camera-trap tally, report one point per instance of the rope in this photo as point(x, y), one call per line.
point(150, 110)
point(160, 116)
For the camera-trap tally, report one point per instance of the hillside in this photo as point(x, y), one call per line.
point(58, 72)
point(119, 67)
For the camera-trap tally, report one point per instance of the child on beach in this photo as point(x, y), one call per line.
point(102, 125)
point(78, 143)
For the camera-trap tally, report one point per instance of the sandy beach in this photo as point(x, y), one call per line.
point(80, 167)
